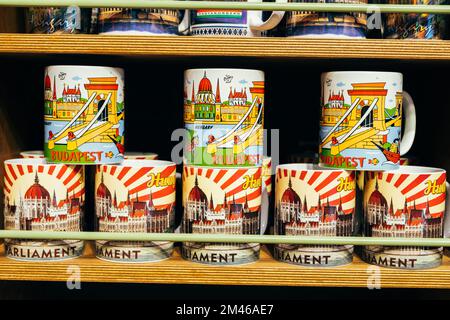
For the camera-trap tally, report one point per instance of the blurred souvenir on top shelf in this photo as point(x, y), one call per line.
point(141, 21)
point(412, 25)
point(47, 20)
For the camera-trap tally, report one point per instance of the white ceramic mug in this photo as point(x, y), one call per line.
point(361, 120)
point(226, 200)
point(45, 197)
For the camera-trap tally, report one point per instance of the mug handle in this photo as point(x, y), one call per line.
point(446, 232)
point(264, 208)
point(256, 23)
point(409, 132)
point(183, 26)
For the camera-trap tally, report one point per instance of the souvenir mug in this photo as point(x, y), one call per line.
point(313, 201)
point(141, 21)
point(361, 121)
point(223, 117)
point(237, 23)
point(222, 201)
point(137, 196)
point(84, 115)
point(59, 20)
point(405, 203)
point(327, 24)
point(414, 26)
point(43, 197)
point(140, 156)
point(32, 154)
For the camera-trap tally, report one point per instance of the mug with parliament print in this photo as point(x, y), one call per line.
point(405, 203)
point(314, 201)
point(134, 21)
point(43, 197)
point(224, 117)
point(84, 114)
point(234, 23)
point(137, 196)
point(361, 120)
point(327, 24)
point(223, 201)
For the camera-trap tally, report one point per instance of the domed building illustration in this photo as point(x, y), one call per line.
point(207, 104)
point(295, 217)
point(383, 220)
point(131, 215)
point(202, 216)
point(39, 211)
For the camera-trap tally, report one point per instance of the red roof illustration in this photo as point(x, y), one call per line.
point(47, 82)
point(376, 198)
point(289, 195)
point(237, 94)
point(336, 97)
point(205, 85)
point(196, 193)
point(75, 90)
point(36, 191)
point(102, 190)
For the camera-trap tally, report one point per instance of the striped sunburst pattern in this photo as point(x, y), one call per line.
point(417, 190)
point(18, 178)
point(135, 183)
point(41, 196)
point(321, 183)
point(314, 202)
point(229, 183)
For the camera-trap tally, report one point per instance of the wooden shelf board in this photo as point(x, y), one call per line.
point(266, 272)
point(215, 46)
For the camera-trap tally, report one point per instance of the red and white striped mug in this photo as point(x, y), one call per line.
point(137, 196)
point(313, 201)
point(43, 197)
point(405, 203)
point(223, 201)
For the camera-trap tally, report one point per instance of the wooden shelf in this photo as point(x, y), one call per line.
point(266, 272)
point(239, 47)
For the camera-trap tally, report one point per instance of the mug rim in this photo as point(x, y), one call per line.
point(36, 162)
point(83, 67)
point(137, 153)
point(141, 163)
point(308, 167)
point(222, 69)
point(360, 72)
point(412, 170)
point(33, 152)
point(222, 167)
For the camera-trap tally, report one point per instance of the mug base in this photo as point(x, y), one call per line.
point(314, 256)
point(44, 251)
point(133, 253)
point(220, 256)
point(425, 260)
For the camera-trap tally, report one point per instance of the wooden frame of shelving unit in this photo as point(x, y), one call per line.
point(265, 272)
point(175, 270)
point(148, 46)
